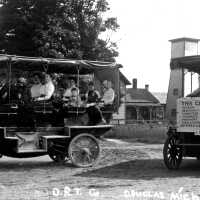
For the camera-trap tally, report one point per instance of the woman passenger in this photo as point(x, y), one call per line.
point(43, 88)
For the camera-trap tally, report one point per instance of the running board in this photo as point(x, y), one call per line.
point(49, 138)
point(31, 151)
point(196, 145)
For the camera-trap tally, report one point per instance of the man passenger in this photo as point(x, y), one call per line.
point(21, 92)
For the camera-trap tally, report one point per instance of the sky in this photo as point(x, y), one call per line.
point(146, 26)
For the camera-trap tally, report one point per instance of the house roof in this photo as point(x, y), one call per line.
point(140, 95)
point(143, 104)
point(124, 79)
point(161, 96)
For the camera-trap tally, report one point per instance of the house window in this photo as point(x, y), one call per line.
point(131, 113)
point(175, 91)
point(173, 112)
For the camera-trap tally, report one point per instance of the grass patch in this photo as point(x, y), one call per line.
point(139, 132)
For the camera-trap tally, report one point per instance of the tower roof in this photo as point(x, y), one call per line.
point(184, 39)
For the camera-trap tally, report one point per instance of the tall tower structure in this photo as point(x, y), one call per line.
point(180, 47)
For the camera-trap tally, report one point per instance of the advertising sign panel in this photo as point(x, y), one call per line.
point(188, 115)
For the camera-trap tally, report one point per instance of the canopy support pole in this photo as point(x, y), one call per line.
point(9, 79)
point(78, 84)
point(45, 67)
point(191, 86)
point(118, 90)
point(183, 83)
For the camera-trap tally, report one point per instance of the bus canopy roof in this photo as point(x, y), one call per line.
point(53, 65)
point(191, 63)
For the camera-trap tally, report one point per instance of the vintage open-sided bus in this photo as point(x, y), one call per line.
point(29, 128)
point(184, 137)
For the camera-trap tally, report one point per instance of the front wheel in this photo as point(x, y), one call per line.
point(84, 150)
point(172, 153)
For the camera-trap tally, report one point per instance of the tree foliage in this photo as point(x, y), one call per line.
point(57, 28)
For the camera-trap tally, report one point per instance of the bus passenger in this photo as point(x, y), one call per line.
point(108, 93)
point(70, 84)
point(75, 99)
point(93, 110)
point(67, 90)
point(35, 88)
point(47, 89)
point(92, 95)
point(43, 89)
point(26, 116)
point(21, 92)
point(108, 99)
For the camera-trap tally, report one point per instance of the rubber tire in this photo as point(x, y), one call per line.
point(171, 165)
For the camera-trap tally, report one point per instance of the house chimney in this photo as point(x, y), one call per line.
point(147, 87)
point(134, 83)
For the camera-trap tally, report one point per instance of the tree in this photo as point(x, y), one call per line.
point(57, 28)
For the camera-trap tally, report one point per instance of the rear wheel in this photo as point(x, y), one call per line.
point(58, 152)
point(84, 150)
point(59, 158)
point(172, 153)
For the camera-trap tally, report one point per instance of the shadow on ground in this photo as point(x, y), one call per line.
point(146, 169)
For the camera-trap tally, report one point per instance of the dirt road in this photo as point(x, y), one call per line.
point(125, 171)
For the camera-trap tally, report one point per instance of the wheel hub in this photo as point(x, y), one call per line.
point(84, 150)
point(173, 151)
